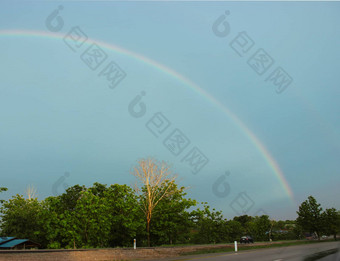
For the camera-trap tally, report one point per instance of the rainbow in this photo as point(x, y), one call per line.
point(164, 69)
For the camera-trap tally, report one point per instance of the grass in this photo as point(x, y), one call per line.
point(248, 247)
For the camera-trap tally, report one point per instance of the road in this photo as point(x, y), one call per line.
point(334, 257)
point(290, 253)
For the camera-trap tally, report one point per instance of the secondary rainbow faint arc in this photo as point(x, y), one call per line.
point(261, 148)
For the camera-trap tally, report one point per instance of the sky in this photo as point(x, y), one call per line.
point(240, 98)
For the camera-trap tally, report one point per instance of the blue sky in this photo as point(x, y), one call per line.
point(58, 115)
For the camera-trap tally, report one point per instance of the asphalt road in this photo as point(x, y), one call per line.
point(334, 257)
point(290, 253)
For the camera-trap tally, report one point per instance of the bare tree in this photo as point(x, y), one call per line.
point(154, 183)
point(31, 192)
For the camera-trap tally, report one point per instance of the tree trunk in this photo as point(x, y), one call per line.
point(148, 231)
point(317, 234)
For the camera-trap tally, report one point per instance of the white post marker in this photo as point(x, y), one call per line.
point(134, 244)
point(235, 242)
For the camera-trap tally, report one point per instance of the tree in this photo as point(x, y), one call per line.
point(98, 216)
point(68, 200)
point(210, 225)
point(31, 192)
point(310, 216)
point(331, 219)
point(284, 230)
point(298, 232)
point(20, 218)
point(243, 219)
point(1, 190)
point(234, 230)
point(154, 182)
point(126, 218)
point(59, 220)
point(171, 222)
point(51, 218)
point(259, 227)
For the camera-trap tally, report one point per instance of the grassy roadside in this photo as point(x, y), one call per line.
point(250, 247)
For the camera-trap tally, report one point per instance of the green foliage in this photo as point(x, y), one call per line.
point(20, 218)
point(210, 226)
point(171, 222)
point(259, 228)
point(111, 216)
point(125, 216)
point(243, 220)
point(285, 230)
point(96, 217)
point(331, 222)
point(1, 190)
point(298, 232)
point(234, 231)
point(310, 216)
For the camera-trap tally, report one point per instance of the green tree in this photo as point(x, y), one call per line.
point(20, 218)
point(91, 220)
point(331, 220)
point(98, 216)
point(50, 220)
point(126, 218)
point(310, 216)
point(171, 223)
point(234, 230)
point(210, 226)
point(1, 190)
point(298, 232)
point(284, 230)
point(68, 200)
point(58, 218)
point(259, 228)
point(243, 220)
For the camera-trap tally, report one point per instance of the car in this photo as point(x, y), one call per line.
point(246, 240)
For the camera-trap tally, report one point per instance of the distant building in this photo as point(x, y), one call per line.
point(16, 243)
